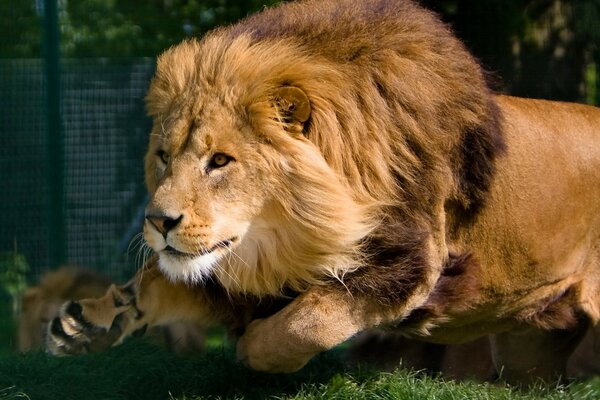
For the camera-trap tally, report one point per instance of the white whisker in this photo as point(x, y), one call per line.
point(238, 257)
point(219, 267)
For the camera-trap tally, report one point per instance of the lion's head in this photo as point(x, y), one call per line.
point(237, 188)
point(272, 160)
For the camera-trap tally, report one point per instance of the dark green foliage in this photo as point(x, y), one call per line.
point(534, 48)
point(7, 327)
point(20, 29)
point(110, 28)
point(132, 28)
point(13, 276)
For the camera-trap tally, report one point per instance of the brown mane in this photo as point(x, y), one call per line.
point(372, 115)
point(406, 119)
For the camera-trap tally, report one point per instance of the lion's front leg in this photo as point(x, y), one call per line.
point(314, 322)
point(398, 278)
point(149, 299)
point(287, 340)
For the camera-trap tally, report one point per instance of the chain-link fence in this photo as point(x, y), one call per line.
point(104, 132)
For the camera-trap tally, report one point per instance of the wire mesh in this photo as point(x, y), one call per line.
point(22, 159)
point(105, 131)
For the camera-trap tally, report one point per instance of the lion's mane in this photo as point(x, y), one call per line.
point(400, 112)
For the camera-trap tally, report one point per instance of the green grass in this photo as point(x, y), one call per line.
point(139, 370)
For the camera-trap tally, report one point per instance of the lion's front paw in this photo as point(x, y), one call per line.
point(72, 333)
point(264, 347)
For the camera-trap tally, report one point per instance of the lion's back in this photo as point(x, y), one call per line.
point(346, 30)
point(539, 233)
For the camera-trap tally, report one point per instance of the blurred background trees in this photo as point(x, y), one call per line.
point(116, 28)
point(536, 48)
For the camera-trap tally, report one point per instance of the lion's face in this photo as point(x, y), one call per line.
point(209, 181)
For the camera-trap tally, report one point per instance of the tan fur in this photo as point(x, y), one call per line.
point(42, 303)
point(404, 192)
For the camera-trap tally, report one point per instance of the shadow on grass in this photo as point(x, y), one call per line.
point(139, 370)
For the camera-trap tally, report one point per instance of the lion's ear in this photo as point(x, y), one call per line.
point(293, 107)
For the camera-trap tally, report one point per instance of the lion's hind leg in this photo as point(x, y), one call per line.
point(92, 325)
point(531, 355)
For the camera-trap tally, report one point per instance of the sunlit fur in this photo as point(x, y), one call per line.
point(312, 224)
point(194, 270)
point(326, 191)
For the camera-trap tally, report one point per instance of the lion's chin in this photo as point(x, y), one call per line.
point(191, 269)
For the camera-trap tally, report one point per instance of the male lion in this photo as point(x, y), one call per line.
point(348, 158)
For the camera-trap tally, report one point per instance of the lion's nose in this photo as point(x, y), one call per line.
point(164, 223)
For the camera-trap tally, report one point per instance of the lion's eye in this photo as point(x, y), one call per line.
point(164, 156)
point(219, 160)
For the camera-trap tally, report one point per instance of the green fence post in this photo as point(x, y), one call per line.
point(55, 148)
point(597, 80)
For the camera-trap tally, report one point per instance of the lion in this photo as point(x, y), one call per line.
point(326, 167)
point(41, 304)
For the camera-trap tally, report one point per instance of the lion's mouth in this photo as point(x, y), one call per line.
point(223, 244)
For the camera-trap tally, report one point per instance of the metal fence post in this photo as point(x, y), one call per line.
point(597, 80)
point(55, 145)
